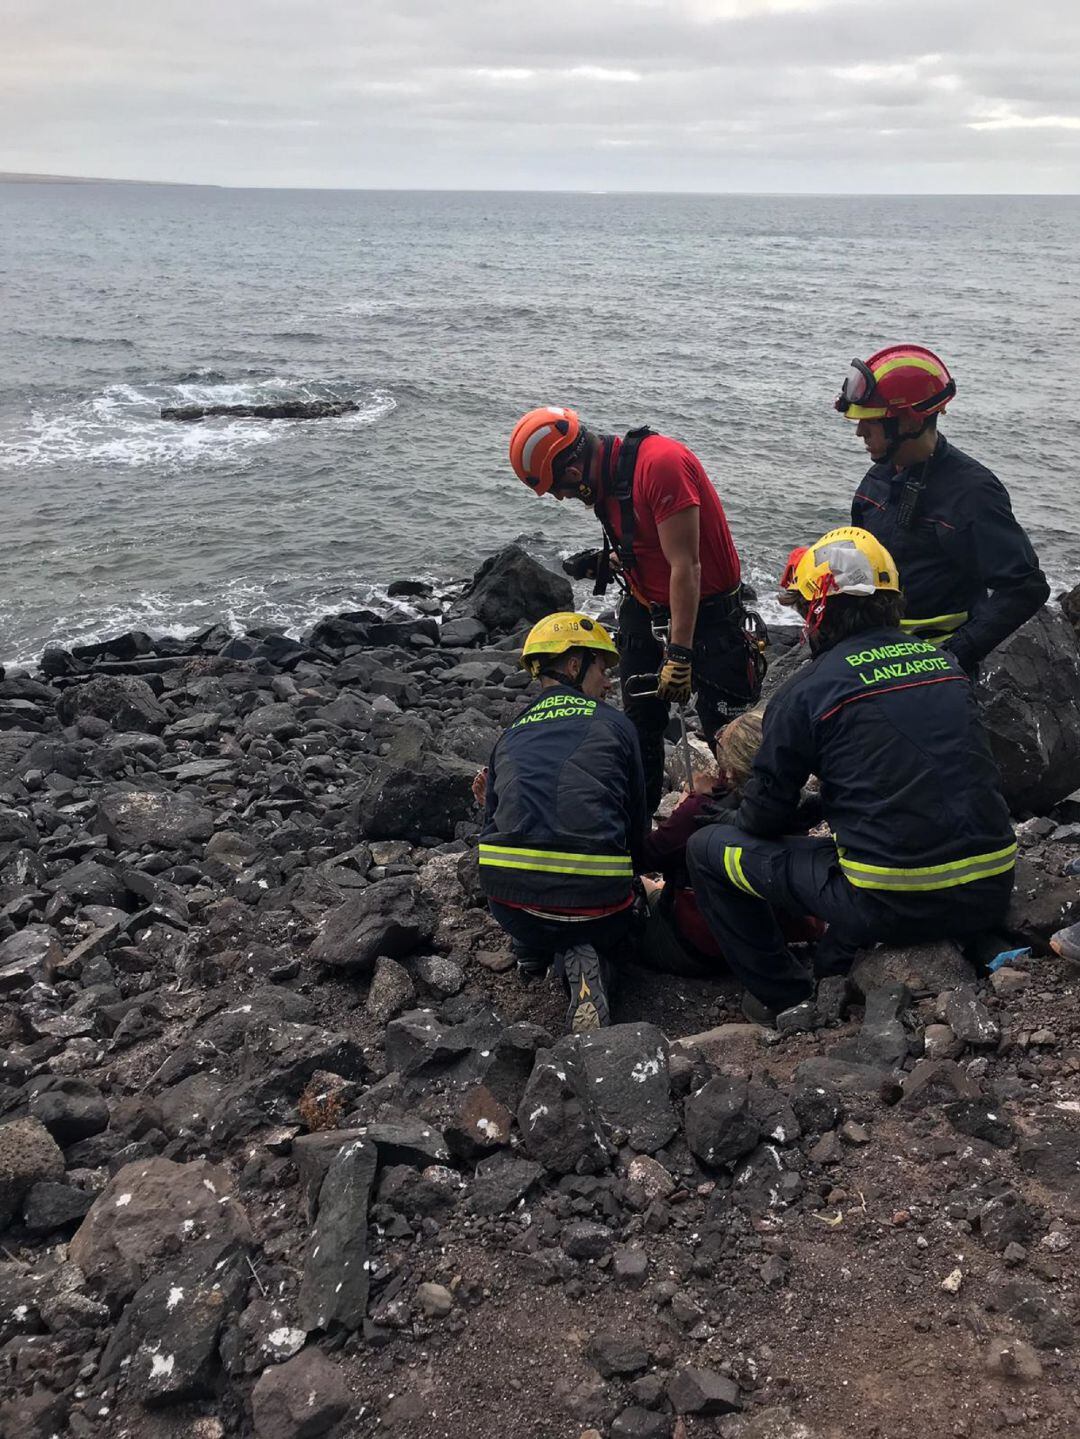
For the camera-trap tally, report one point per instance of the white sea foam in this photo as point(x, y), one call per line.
point(121, 427)
point(290, 602)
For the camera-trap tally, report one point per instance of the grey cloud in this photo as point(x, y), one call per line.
point(689, 94)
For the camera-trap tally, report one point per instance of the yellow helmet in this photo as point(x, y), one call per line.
point(846, 561)
point(566, 630)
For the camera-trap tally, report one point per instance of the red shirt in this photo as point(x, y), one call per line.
point(667, 479)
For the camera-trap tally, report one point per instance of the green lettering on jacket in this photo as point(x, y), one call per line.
point(891, 652)
point(557, 706)
point(905, 670)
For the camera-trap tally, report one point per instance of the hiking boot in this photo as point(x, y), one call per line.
point(589, 1008)
point(1067, 943)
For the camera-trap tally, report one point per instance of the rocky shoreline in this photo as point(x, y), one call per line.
point(285, 1145)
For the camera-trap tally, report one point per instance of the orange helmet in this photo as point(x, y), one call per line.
point(901, 380)
point(787, 579)
point(544, 442)
point(788, 589)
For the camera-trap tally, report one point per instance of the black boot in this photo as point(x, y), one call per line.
point(531, 963)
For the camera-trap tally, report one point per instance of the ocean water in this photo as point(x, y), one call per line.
point(727, 321)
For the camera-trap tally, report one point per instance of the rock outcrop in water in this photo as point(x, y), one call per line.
point(278, 410)
point(285, 1145)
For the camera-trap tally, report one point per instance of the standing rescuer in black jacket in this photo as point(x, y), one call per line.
point(968, 571)
point(922, 846)
point(565, 817)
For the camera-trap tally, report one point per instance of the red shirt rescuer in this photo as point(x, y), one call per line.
point(666, 537)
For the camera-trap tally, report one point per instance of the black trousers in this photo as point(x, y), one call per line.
point(740, 881)
point(531, 934)
point(725, 681)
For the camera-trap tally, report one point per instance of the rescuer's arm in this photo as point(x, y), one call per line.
point(680, 540)
point(771, 795)
point(1001, 554)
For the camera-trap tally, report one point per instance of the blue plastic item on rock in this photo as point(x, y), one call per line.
point(1007, 956)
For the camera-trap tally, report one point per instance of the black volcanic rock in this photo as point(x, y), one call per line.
point(280, 410)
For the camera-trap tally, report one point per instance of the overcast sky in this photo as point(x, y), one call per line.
point(777, 95)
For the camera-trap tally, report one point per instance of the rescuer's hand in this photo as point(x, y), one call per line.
point(676, 675)
point(479, 786)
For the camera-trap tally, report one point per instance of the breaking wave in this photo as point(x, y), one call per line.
point(290, 602)
point(121, 427)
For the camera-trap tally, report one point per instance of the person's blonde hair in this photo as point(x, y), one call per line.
point(737, 745)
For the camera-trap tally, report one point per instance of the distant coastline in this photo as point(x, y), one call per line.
point(16, 177)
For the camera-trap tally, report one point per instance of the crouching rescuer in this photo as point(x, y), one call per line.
point(565, 817)
point(922, 847)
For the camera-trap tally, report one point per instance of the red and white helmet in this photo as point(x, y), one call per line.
point(544, 442)
point(899, 381)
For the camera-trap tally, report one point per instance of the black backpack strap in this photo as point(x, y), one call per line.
point(622, 491)
point(603, 568)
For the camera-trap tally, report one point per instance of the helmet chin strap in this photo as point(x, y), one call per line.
point(586, 490)
point(816, 613)
point(895, 439)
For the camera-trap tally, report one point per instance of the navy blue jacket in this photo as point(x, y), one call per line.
point(964, 542)
point(889, 725)
point(564, 817)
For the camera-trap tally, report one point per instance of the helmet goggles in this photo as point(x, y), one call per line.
point(859, 385)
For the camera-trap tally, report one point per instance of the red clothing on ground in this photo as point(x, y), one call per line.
point(667, 479)
point(665, 851)
point(664, 848)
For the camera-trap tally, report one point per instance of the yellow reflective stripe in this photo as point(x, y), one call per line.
point(914, 361)
point(495, 849)
point(947, 868)
point(534, 867)
point(914, 886)
point(561, 866)
point(547, 861)
point(736, 860)
point(734, 870)
point(943, 624)
point(929, 876)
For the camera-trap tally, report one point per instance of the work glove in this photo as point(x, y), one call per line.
point(676, 675)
